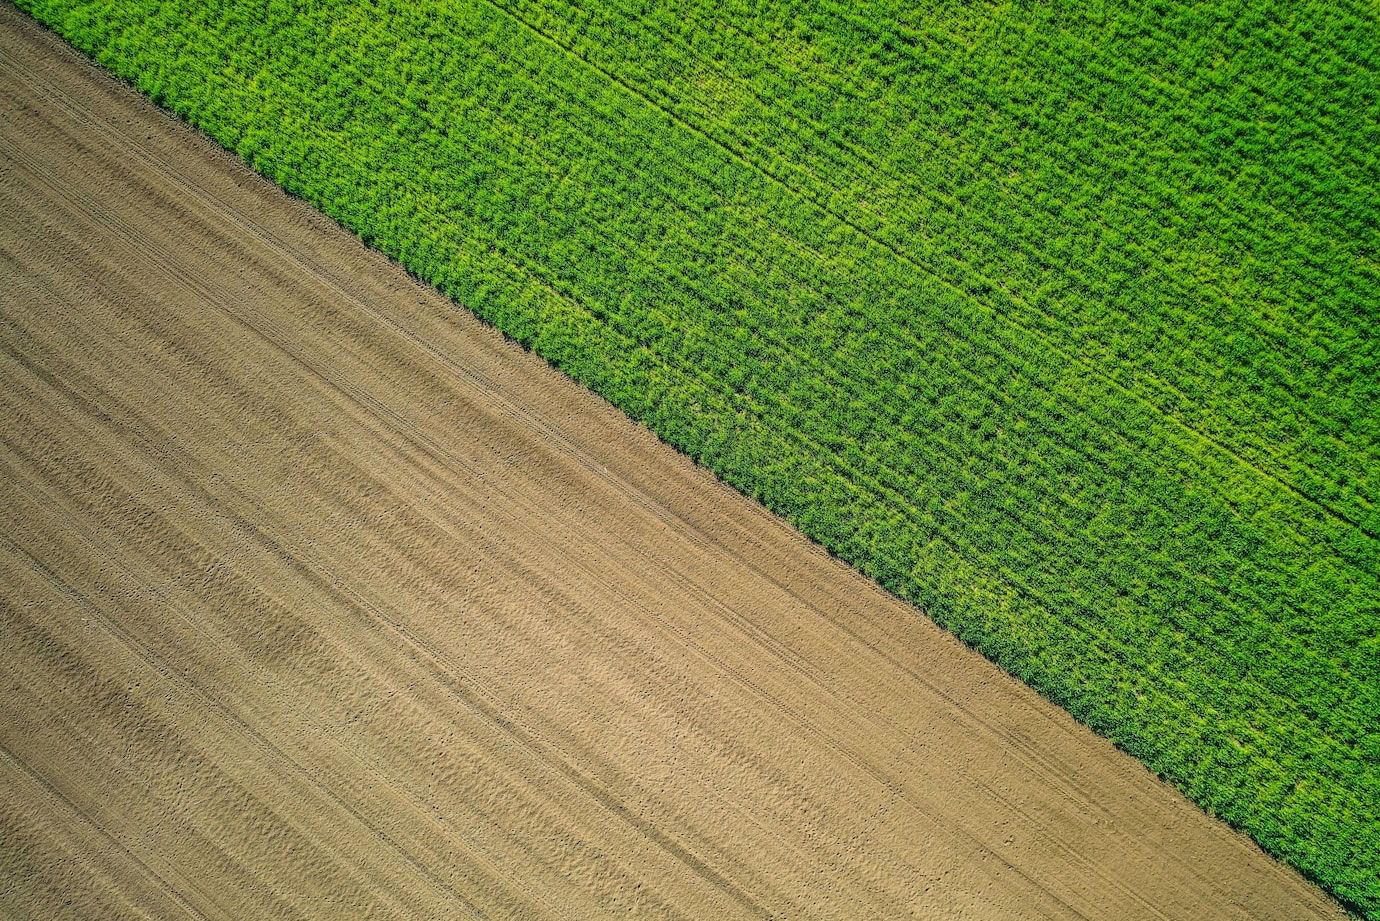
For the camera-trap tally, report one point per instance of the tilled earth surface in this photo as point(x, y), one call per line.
point(319, 600)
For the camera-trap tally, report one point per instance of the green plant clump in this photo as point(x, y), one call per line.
point(1059, 319)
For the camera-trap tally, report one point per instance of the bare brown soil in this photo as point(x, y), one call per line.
point(319, 600)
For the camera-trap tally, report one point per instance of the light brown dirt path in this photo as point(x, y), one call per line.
point(318, 600)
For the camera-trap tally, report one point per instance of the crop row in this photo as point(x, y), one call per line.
point(1204, 234)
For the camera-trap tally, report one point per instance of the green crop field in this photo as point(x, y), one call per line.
point(1058, 320)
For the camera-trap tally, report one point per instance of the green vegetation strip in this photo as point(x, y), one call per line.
point(1057, 320)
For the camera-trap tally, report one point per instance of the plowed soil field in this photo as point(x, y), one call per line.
point(320, 600)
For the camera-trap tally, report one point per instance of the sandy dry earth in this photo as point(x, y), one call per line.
point(317, 599)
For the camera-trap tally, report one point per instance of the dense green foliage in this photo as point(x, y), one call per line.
point(1058, 320)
